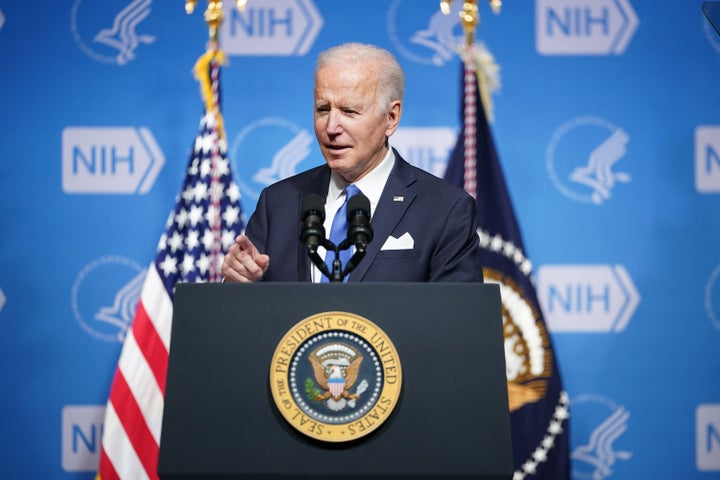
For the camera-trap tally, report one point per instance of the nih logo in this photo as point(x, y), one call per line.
point(271, 27)
point(583, 27)
point(707, 159)
point(107, 160)
point(586, 298)
point(426, 147)
point(707, 437)
point(82, 427)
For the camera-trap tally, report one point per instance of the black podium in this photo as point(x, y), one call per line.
point(451, 421)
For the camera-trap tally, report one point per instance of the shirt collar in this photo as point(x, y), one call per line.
point(371, 185)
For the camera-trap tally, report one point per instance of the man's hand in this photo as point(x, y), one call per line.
point(243, 262)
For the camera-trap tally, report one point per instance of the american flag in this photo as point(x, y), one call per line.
point(539, 413)
point(204, 223)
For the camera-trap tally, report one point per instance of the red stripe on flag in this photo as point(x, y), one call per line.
point(151, 345)
point(134, 425)
point(107, 471)
point(134, 415)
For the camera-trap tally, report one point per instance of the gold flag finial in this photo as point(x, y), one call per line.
point(213, 15)
point(475, 55)
point(213, 56)
point(469, 15)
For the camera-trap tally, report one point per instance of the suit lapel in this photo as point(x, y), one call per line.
point(316, 182)
point(396, 198)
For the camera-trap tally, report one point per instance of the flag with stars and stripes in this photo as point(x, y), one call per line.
point(539, 414)
point(204, 223)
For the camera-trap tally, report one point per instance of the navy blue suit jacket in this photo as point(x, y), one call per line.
point(440, 217)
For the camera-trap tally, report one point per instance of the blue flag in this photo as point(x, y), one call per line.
point(538, 404)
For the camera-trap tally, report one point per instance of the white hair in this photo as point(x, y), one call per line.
point(391, 77)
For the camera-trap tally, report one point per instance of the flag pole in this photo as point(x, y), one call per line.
point(214, 16)
point(207, 73)
point(475, 55)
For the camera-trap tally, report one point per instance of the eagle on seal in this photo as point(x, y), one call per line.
point(336, 379)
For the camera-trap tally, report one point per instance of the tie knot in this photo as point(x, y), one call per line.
point(351, 190)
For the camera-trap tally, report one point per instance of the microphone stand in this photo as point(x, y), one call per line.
point(360, 250)
point(359, 234)
point(338, 274)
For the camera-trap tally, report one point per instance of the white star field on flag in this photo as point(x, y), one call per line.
point(207, 215)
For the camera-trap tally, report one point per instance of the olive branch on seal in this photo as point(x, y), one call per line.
point(311, 390)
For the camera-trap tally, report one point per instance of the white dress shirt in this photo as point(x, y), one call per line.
point(371, 185)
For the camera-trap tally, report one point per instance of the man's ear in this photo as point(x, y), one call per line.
point(393, 117)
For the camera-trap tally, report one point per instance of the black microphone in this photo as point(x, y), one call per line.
point(312, 218)
point(358, 215)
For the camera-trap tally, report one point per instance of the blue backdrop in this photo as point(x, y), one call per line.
point(607, 124)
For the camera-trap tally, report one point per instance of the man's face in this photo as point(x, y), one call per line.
point(351, 128)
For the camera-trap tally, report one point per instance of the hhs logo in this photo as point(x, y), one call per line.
point(292, 154)
point(583, 27)
point(581, 159)
point(105, 296)
point(707, 437)
point(422, 33)
point(107, 31)
point(426, 147)
point(599, 427)
point(586, 298)
point(106, 160)
point(270, 27)
point(707, 159)
point(82, 427)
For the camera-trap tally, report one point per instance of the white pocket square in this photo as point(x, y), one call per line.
point(405, 242)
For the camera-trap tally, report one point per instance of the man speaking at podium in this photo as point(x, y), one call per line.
point(423, 228)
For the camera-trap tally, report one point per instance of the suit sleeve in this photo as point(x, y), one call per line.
point(274, 229)
point(457, 256)
point(257, 227)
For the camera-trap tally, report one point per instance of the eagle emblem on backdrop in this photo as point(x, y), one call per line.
point(528, 361)
point(535, 394)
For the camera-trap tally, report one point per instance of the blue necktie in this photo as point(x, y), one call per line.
point(338, 233)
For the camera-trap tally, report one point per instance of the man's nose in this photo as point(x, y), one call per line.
point(334, 124)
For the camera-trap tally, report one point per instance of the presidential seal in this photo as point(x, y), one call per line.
point(335, 376)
